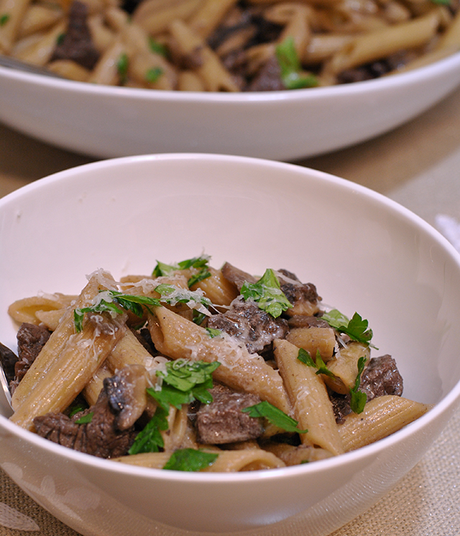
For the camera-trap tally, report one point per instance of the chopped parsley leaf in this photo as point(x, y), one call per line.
point(198, 317)
point(358, 398)
point(267, 293)
point(200, 263)
point(122, 67)
point(183, 382)
point(4, 19)
point(356, 328)
point(306, 358)
point(274, 415)
point(291, 69)
point(115, 303)
point(85, 419)
point(174, 295)
point(77, 407)
point(204, 273)
point(214, 332)
point(157, 47)
point(190, 460)
point(150, 439)
point(153, 74)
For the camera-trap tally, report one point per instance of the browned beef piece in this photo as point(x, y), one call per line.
point(381, 377)
point(340, 406)
point(31, 339)
point(8, 360)
point(100, 437)
point(302, 321)
point(125, 392)
point(295, 290)
point(77, 44)
point(252, 326)
point(262, 30)
point(268, 78)
point(223, 421)
point(236, 276)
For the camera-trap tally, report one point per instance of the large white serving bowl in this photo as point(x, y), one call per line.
point(105, 121)
point(364, 252)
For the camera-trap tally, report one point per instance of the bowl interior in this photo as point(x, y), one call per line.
point(363, 252)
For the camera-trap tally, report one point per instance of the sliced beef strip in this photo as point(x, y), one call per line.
point(381, 377)
point(245, 321)
point(126, 395)
point(302, 321)
point(8, 360)
point(77, 44)
point(31, 339)
point(100, 437)
point(268, 78)
point(223, 421)
point(295, 290)
point(236, 276)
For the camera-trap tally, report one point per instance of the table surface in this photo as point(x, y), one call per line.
point(418, 165)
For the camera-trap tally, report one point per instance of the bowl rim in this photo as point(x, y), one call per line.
point(445, 405)
point(414, 76)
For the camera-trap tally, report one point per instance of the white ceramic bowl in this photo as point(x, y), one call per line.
point(364, 252)
point(107, 121)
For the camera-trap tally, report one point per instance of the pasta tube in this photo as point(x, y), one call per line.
point(381, 417)
point(308, 395)
point(57, 342)
point(81, 356)
point(177, 337)
point(381, 43)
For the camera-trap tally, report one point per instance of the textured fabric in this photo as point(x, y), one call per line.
point(426, 502)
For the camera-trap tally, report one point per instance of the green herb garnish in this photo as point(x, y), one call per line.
point(77, 408)
point(150, 439)
point(4, 19)
point(274, 415)
point(153, 74)
point(291, 69)
point(200, 263)
point(267, 293)
point(85, 419)
point(198, 317)
point(113, 302)
point(204, 273)
point(214, 332)
point(306, 358)
point(190, 460)
point(157, 47)
point(174, 295)
point(122, 67)
point(356, 328)
point(358, 398)
point(183, 382)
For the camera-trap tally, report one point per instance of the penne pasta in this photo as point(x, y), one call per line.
point(381, 417)
point(229, 46)
point(179, 338)
point(308, 395)
point(219, 377)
